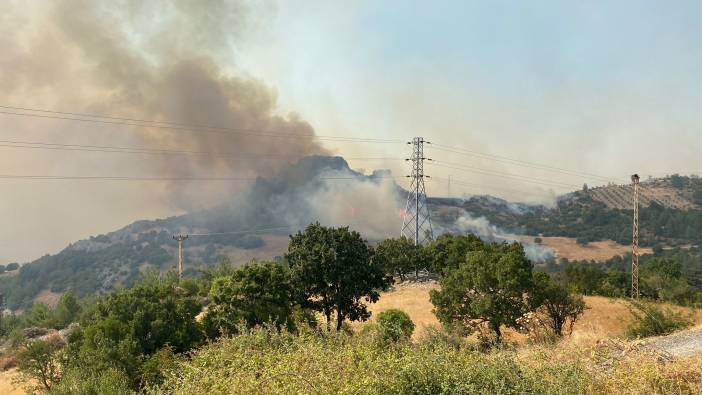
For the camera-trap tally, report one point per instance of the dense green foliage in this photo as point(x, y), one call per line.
point(448, 251)
point(400, 257)
point(334, 272)
point(141, 339)
point(669, 275)
point(488, 288)
point(255, 294)
point(267, 362)
point(124, 329)
point(40, 360)
point(395, 325)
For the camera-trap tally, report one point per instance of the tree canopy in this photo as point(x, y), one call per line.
point(254, 294)
point(489, 288)
point(334, 272)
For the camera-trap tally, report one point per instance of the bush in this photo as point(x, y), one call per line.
point(109, 381)
point(41, 361)
point(271, 362)
point(395, 325)
point(651, 320)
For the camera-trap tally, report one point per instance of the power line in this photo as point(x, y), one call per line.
point(503, 174)
point(152, 151)
point(480, 185)
point(195, 129)
point(244, 231)
point(523, 163)
point(132, 178)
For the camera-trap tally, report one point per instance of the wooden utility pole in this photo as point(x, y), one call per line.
point(180, 239)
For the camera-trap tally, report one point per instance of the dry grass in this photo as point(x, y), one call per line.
point(600, 251)
point(605, 317)
point(7, 385)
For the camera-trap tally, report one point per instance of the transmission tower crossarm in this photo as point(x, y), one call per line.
point(416, 224)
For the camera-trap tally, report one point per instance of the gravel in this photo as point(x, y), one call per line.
point(683, 344)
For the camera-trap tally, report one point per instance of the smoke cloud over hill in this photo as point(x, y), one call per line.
point(157, 60)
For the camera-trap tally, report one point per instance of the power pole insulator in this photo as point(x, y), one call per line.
point(635, 241)
point(180, 239)
point(416, 224)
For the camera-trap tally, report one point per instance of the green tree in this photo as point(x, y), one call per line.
point(558, 305)
point(123, 328)
point(40, 315)
point(395, 324)
point(489, 289)
point(448, 251)
point(400, 256)
point(334, 272)
point(67, 310)
point(257, 293)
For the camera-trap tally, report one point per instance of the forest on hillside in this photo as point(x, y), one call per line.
point(579, 215)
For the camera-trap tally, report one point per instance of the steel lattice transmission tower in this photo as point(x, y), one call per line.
point(635, 241)
point(416, 224)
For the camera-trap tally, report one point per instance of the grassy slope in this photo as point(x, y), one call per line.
point(605, 317)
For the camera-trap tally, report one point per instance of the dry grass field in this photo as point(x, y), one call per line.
point(7, 387)
point(566, 247)
point(604, 317)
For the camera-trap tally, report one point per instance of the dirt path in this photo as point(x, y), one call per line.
point(683, 344)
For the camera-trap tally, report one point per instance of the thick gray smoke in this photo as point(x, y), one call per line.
point(157, 60)
point(482, 228)
point(316, 189)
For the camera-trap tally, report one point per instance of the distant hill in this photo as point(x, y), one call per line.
point(103, 263)
point(675, 192)
point(671, 213)
point(100, 264)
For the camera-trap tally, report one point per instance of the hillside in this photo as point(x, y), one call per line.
point(674, 192)
point(300, 195)
point(279, 205)
point(670, 213)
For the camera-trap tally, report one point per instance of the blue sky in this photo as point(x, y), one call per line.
point(559, 79)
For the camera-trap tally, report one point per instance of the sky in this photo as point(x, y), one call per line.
point(602, 89)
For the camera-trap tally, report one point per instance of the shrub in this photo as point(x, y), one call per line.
point(557, 309)
point(255, 294)
point(41, 361)
point(651, 320)
point(87, 381)
point(271, 362)
point(395, 325)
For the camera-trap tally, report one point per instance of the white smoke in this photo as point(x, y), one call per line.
point(482, 228)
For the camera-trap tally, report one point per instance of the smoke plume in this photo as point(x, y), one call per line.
point(158, 60)
point(482, 228)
